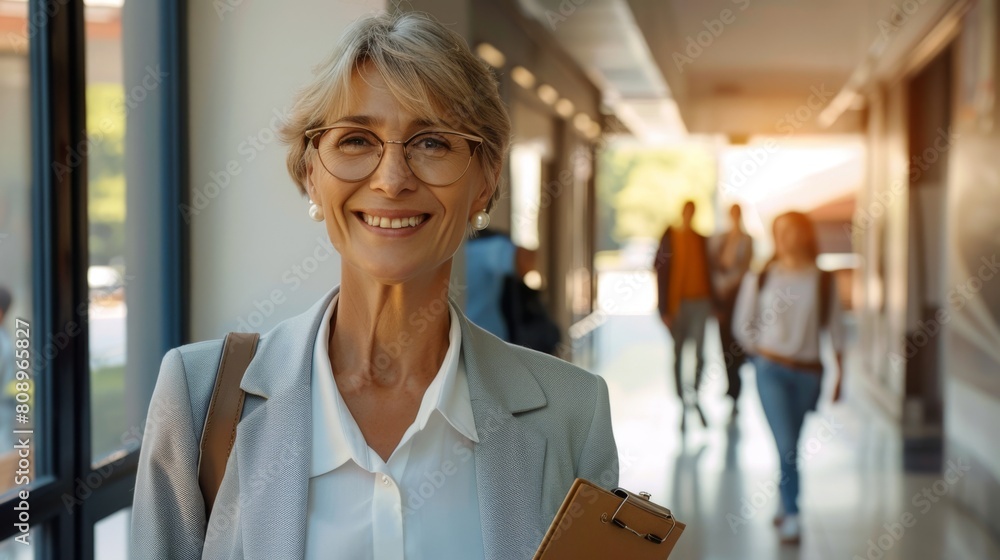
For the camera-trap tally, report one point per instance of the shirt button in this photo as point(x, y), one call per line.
point(385, 480)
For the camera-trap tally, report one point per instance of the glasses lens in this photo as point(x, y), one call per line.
point(350, 154)
point(439, 158)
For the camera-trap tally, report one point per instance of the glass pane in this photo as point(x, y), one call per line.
point(15, 548)
point(111, 536)
point(526, 195)
point(19, 340)
point(106, 108)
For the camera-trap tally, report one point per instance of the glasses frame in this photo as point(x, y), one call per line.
point(313, 136)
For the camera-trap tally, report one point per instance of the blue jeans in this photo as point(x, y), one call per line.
point(786, 394)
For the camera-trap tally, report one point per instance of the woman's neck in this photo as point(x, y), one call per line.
point(389, 336)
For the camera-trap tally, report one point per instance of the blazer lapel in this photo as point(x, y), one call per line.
point(509, 455)
point(273, 440)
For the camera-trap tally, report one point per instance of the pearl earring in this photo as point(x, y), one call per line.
point(315, 212)
point(480, 220)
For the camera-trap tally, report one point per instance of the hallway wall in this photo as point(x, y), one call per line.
point(256, 258)
point(880, 235)
point(565, 220)
point(966, 323)
point(972, 336)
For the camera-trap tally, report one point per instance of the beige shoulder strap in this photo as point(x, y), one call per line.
point(224, 413)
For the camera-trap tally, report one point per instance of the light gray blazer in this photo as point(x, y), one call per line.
point(541, 422)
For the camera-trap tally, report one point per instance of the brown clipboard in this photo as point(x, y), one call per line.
point(596, 523)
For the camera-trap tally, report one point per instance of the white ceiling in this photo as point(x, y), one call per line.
point(756, 68)
point(772, 45)
point(603, 38)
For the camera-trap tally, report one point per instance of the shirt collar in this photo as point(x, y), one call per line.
point(448, 393)
point(336, 437)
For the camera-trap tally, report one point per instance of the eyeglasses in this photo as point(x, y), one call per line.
point(352, 153)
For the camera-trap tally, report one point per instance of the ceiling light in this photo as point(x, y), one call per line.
point(565, 107)
point(548, 94)
point(491, 55)
point(523, 77)
point(594, 131)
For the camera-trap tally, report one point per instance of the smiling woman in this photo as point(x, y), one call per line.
point(365, 410)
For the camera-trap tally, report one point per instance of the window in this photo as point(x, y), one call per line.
point(106, 214)
point(14, 550)
point(83, 116)
point(17, 337)
point(108, 541)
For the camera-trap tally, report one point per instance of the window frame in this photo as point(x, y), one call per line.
point(60, 260)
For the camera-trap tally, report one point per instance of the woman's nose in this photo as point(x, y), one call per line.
point(392, 175)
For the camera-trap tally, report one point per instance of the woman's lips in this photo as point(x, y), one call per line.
point(383, 221)
point(394, 224)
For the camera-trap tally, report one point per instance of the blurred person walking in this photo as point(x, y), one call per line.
point(490, 257)
point(499, 300)
point(779, 316)
point(731, 253)
point(686, 297)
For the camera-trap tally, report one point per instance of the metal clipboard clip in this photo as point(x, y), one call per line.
point(643, 503)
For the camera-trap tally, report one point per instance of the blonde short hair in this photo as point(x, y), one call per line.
point(428, 69)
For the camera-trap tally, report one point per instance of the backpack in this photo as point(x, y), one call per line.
point(528, 322)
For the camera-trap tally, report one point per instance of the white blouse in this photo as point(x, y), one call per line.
point(421, 503)
point(783, 318)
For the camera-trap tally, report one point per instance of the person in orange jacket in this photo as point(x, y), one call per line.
point(686, 299)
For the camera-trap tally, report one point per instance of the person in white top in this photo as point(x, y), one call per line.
point(381, 423)
point(778, 318)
